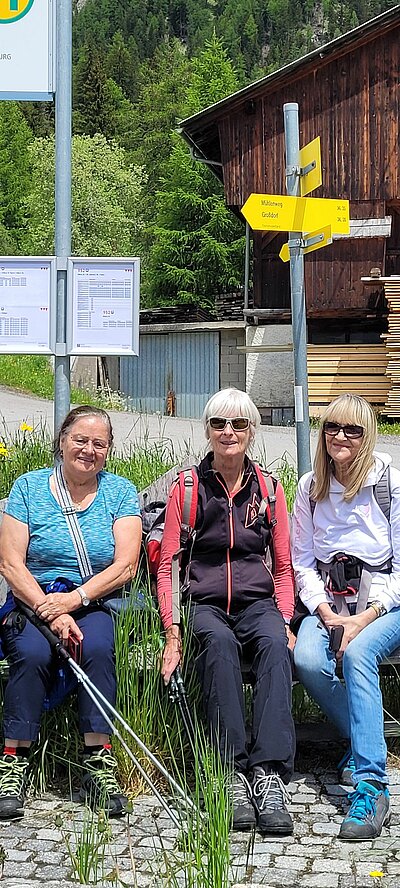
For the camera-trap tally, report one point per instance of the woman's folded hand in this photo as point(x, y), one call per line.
point(64, 625)
point(55, 604)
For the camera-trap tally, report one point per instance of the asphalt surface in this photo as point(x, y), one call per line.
point(183, 436)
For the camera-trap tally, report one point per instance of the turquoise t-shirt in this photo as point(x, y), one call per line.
point(51, 553)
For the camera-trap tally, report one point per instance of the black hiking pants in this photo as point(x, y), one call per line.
point(257, 632)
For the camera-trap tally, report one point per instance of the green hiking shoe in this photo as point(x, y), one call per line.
point(368, 813)
point(100, 788)
point(13, 780)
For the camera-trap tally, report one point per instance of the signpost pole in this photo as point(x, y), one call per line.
point(63, 110)
point(292, 147)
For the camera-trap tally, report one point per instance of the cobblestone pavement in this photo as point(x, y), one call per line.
point(311, 858)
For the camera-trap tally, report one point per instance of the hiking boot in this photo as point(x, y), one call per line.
point(368, 813)
point(269, 797)
point(13, 778)
point(100, 788)
point(346, 768)
point(244, 815)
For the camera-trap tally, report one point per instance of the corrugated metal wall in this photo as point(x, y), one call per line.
point(185, 363)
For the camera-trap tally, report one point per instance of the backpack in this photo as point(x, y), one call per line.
point(153, 516)
point(382, 494)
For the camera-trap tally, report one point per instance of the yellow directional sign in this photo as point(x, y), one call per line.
point(278, 212)
point(310, 164)
point(313, 241)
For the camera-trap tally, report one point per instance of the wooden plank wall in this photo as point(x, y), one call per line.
point(336, 369)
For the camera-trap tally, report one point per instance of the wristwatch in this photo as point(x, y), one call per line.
point(379, 608)
point(85, 600)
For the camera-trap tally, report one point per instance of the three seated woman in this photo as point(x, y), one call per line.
point(346, 558)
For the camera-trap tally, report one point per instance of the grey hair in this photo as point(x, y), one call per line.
point(231, 402)
point(79, 413)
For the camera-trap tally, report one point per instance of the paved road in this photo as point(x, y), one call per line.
point(184, 435)
point(311, 858)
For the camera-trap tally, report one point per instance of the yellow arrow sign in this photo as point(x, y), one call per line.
point(278, 212)
point(313, 241)
point(310, 165)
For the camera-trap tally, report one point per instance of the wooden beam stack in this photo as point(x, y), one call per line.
point(335, 369)
point(392, 346)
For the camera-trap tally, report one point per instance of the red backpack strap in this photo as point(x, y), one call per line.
point(267, 484)
point(189, 492)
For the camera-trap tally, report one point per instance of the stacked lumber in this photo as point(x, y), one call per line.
point(335, 369)
point(392, 342)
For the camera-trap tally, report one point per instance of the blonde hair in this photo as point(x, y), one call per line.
point(347, 410)
point(231, 402)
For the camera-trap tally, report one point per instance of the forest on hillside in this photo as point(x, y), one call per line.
point(139, 66)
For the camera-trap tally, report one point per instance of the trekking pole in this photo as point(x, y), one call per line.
point(97, 696)
point(177, 694)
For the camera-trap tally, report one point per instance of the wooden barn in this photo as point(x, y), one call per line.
point(348, 94)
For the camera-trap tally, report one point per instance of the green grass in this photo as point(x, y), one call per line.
point(33, 374)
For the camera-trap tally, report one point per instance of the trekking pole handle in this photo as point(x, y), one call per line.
point(50, 636)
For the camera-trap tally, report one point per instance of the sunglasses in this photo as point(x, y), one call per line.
point(349, 431)
point(238, 424)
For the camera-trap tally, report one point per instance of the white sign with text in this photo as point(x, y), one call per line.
point(27, 318)
point(103, 306)
point(27, 41)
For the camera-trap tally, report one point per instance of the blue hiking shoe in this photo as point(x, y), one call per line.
point(346, 768)
point(368, 813)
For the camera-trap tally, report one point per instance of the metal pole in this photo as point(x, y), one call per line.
point(247, 267)
point(63, 111)
point(292, 147)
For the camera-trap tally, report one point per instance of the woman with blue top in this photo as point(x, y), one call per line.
point(38, 559)
point(346, 558)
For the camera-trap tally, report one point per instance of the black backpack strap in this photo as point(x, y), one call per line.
point(312, 501)
point(383, 493)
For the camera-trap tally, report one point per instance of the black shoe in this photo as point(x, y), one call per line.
point(368, 813)
point(13, 778)
point(100, 788)
point(269, 797)
point(244, 815)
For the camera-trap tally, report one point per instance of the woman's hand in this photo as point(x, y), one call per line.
point(63, 625)
point(171, 657)
point(55, 604)
point(352, 626)
point(290, 637)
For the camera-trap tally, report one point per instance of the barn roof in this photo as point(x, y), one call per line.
point(201, 129)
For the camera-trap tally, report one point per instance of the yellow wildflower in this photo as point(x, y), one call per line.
point(3, 450)
point(376, 874)
point(25, 428)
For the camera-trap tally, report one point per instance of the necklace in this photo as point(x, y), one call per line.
point(78, 503)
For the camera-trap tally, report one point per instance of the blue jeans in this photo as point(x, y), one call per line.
point(355, 708)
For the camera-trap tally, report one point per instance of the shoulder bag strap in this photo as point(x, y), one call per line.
point(69, 512)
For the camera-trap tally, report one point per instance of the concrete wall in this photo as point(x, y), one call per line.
point(269, 375)
point(232, 362)
point(84, 372)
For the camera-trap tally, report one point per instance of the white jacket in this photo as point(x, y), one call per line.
point(357, 528)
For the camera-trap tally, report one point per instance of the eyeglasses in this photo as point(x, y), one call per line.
point(349, 431)
point(238, 424)
point(81, 442)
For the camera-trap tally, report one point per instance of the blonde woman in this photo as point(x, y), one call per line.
point(346, 558)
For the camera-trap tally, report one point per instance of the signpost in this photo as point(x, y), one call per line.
point(39, 296)
point(311, 223)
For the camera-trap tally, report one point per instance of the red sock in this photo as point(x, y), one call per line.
point(10, 750)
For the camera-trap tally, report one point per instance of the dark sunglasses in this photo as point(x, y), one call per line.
point(238, 424)
point(349, 431)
